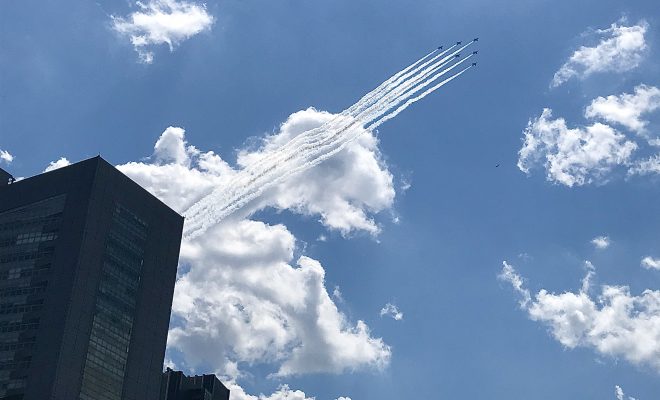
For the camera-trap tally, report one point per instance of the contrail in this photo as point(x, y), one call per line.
point(417, 98)
point(312, 147)
point(234, 199)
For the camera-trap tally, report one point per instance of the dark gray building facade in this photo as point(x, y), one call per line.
point(177, 386)
point(88, 263)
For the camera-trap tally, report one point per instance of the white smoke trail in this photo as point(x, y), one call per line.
point(313, 147)
point(408, 103)
point(234, 200)
point(257, 169)
point(355, 109)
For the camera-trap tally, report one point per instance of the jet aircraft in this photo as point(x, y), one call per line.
point(475, 39)
point(458, 43)
point(439, 47)
point(475, 52)
point(474, 64)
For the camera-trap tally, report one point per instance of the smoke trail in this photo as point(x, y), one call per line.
point(315, 146)
point(255, 170)
point(230, 202)
point(234, 200)
point(416, 99)
point(364, 102)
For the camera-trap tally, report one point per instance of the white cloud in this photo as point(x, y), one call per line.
point(244, 295)
point(647, 166)
point(62, 162)
point(160, 22)
point(649, 262)
point(509, 274)
point(572, 156)
point(620, 49)
point(618, 392)
point(282, 393)
point(626, 109)
point(336, 293)
point(601, 242)
point(615, 324)
point(343, 190)
point(244, 298)
point(391, 310)
point(6, 156)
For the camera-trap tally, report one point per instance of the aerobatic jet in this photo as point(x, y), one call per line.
point(475, 39)
point(439, 47)
point(457, 55)
point(474, 64)
point(475, 52)
point(458, 43)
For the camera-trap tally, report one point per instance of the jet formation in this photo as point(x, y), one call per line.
point(474, 64)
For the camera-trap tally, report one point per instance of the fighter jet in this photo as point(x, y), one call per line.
point(439, 47)
point(457, 55)
point(458, 43)
point(475, 39)
point(475, 52)
point(474, 64)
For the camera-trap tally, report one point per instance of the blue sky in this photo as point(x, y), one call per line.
point(72, 85)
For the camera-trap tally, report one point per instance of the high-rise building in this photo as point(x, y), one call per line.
point(88, 263)
point(177, 386)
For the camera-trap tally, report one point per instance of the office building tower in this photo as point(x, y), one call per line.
point(88, 263)
point(177, 386)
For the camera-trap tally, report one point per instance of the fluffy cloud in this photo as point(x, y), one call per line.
point(343, 190)
point(392, 311)
point(615, 324)
point(243, 292)
point(621, 48)
point(160, 22)
point(239, 299)
point(62, 162)
point(6, 156)
point(626, 109)
point(572, 156)
point(649, 262)
point(601, 242)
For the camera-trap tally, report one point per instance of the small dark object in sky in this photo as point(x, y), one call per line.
point(497, 165)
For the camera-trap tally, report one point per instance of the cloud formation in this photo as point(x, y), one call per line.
point(626, 109)
point(646, 166)
point(392, 311)
point(615, 324)
point(160, 22)
point(62, 162)
point(572, 156)
point(6, 156)
point(601, 242)
point(621, 48)
point(649, 262)
point(243, 291)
